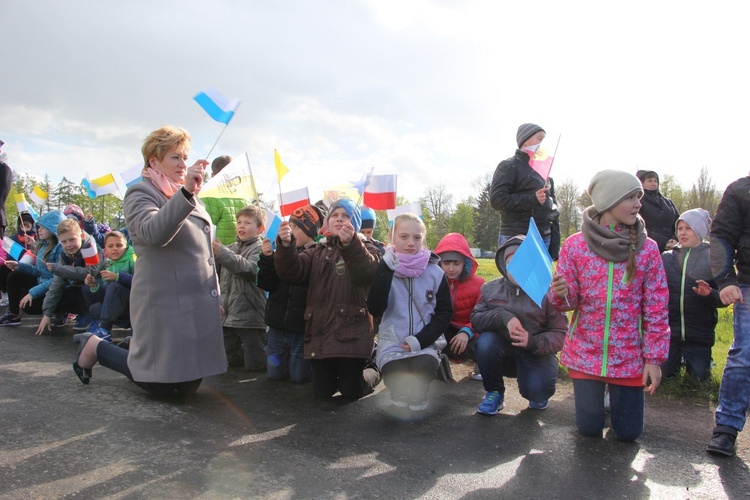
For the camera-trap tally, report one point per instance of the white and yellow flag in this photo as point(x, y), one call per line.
point(234, 181)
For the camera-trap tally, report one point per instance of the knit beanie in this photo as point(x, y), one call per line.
point(308, 219)
point(525, 132)
point(27, 217)
point(73, 211)
point(609, 187)
point(643, 174)
point(368, 217)
point(352, 210)
point(699, 221)
point(452, 256)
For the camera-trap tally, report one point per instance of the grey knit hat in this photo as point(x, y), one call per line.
point(525, 132)
point(452, 256)
point(610, 187)
point(699, 221)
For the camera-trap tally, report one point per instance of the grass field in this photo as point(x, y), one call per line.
point(682, 385)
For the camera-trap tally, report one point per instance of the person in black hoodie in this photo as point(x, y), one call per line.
point(659, 213)
point(520, 193)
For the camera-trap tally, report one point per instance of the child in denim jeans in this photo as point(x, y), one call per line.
point(611, 275)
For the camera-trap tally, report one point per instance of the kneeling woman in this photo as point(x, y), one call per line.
point(174, 304)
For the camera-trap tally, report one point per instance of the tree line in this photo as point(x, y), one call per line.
point(473, 217)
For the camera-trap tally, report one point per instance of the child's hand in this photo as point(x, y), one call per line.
point(50, 266)
point(652, 372)
point(88, 217)
point(107, 275)
point(216, 246)
point(346, 234)
point(89, 281)
point(28, 240)
point(285, 234)
point(266, 248)
point(703, 289)
point(671, 243)
point(459, 342)
point(390, 258)
point(25, 301)
point(46, 323)
point(559, 286)
point(11, 264)
point(406, 347)
point(518, 334)
point(730, 295)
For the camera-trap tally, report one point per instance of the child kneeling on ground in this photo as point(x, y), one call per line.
point(411, 295)
point(519, 339)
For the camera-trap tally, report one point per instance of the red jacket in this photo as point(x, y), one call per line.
point(465, 290)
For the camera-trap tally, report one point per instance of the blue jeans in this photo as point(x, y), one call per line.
point(286, 355)
point(497, 358)
point(734, 395)
point(696, 358)
point(108, 304)
point(626, 403)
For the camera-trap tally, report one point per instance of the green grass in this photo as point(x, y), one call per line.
point(682, 385)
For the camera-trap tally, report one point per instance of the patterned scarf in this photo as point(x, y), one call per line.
point(412, 265)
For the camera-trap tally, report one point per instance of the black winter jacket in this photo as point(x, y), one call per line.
point(686, 308)
point(285, 306)
point(513, 193)
point(660, 216)
point(730, 236)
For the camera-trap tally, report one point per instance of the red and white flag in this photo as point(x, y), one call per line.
point(90, 255)
point(380, 192)
point(292, 200)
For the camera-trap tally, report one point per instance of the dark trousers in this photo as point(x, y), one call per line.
point(4, 273)
point(116, 358)
point(108, 304)
point(696, 358)
point(350, 376)
point(626, 409)
point(497, 358)
point(19, 284)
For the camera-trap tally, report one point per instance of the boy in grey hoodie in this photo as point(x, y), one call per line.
point(518, 339)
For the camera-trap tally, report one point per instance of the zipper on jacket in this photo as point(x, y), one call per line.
point(682, 295)
point(605, 350)
point(411, 304)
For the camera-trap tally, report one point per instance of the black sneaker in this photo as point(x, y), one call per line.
point(9, 319)
point(722, 441)
point(59, 320)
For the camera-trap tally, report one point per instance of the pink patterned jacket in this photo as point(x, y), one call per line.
point(637, 331)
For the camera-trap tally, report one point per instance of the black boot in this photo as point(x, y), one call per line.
point(722, 441)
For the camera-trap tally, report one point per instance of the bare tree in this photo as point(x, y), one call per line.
point(704, 194)
point(437, 202)
point(568, 195)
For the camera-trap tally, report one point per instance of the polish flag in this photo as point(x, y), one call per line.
point(90, 255)
point(292, 200)
point(380, 192)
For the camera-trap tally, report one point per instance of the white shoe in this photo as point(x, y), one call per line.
point(476, 376)
point(4, 300)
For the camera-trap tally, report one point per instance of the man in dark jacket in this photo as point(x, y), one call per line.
point(6, 182)
point(519, 192)
point(658, 211)
point(730, 247)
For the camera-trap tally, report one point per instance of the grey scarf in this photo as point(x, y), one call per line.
point(609, 244)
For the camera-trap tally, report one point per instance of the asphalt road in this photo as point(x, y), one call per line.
point(244, 436)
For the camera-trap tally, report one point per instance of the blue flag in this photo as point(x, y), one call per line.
point(531, 265)
point(216, 105)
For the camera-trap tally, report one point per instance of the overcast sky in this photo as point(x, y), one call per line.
point(431, 90)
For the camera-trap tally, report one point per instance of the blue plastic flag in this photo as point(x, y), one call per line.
point(216, 105)
point(273, 222)
point(531, 265)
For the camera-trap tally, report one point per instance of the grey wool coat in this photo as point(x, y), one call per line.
point(174, 299)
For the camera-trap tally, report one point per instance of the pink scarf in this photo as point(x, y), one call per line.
point(166, 185)
point(412, 265)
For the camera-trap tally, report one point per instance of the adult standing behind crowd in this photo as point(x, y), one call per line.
point(223, 211)
point(657, 211)
point(174, 304)
point(519, 192)
point(6, 182)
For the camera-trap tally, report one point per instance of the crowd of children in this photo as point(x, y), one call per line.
point(310, 305)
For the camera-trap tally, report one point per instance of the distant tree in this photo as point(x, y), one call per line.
point(704, 194)
point(437, 204)
point(486, 218)
point(568, 205)
point(462, 220)
point(670, 188)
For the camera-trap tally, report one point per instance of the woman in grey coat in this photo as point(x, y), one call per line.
point(174, 304)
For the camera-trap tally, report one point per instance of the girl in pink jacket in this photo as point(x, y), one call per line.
point(611, 275)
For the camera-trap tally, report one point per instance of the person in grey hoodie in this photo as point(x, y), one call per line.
point(519, 339)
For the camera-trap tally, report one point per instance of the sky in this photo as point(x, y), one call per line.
point(433, 91)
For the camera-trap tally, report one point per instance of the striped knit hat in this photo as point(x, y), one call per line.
point(525, 132)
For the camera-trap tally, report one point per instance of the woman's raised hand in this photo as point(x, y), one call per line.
point(194, 176)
